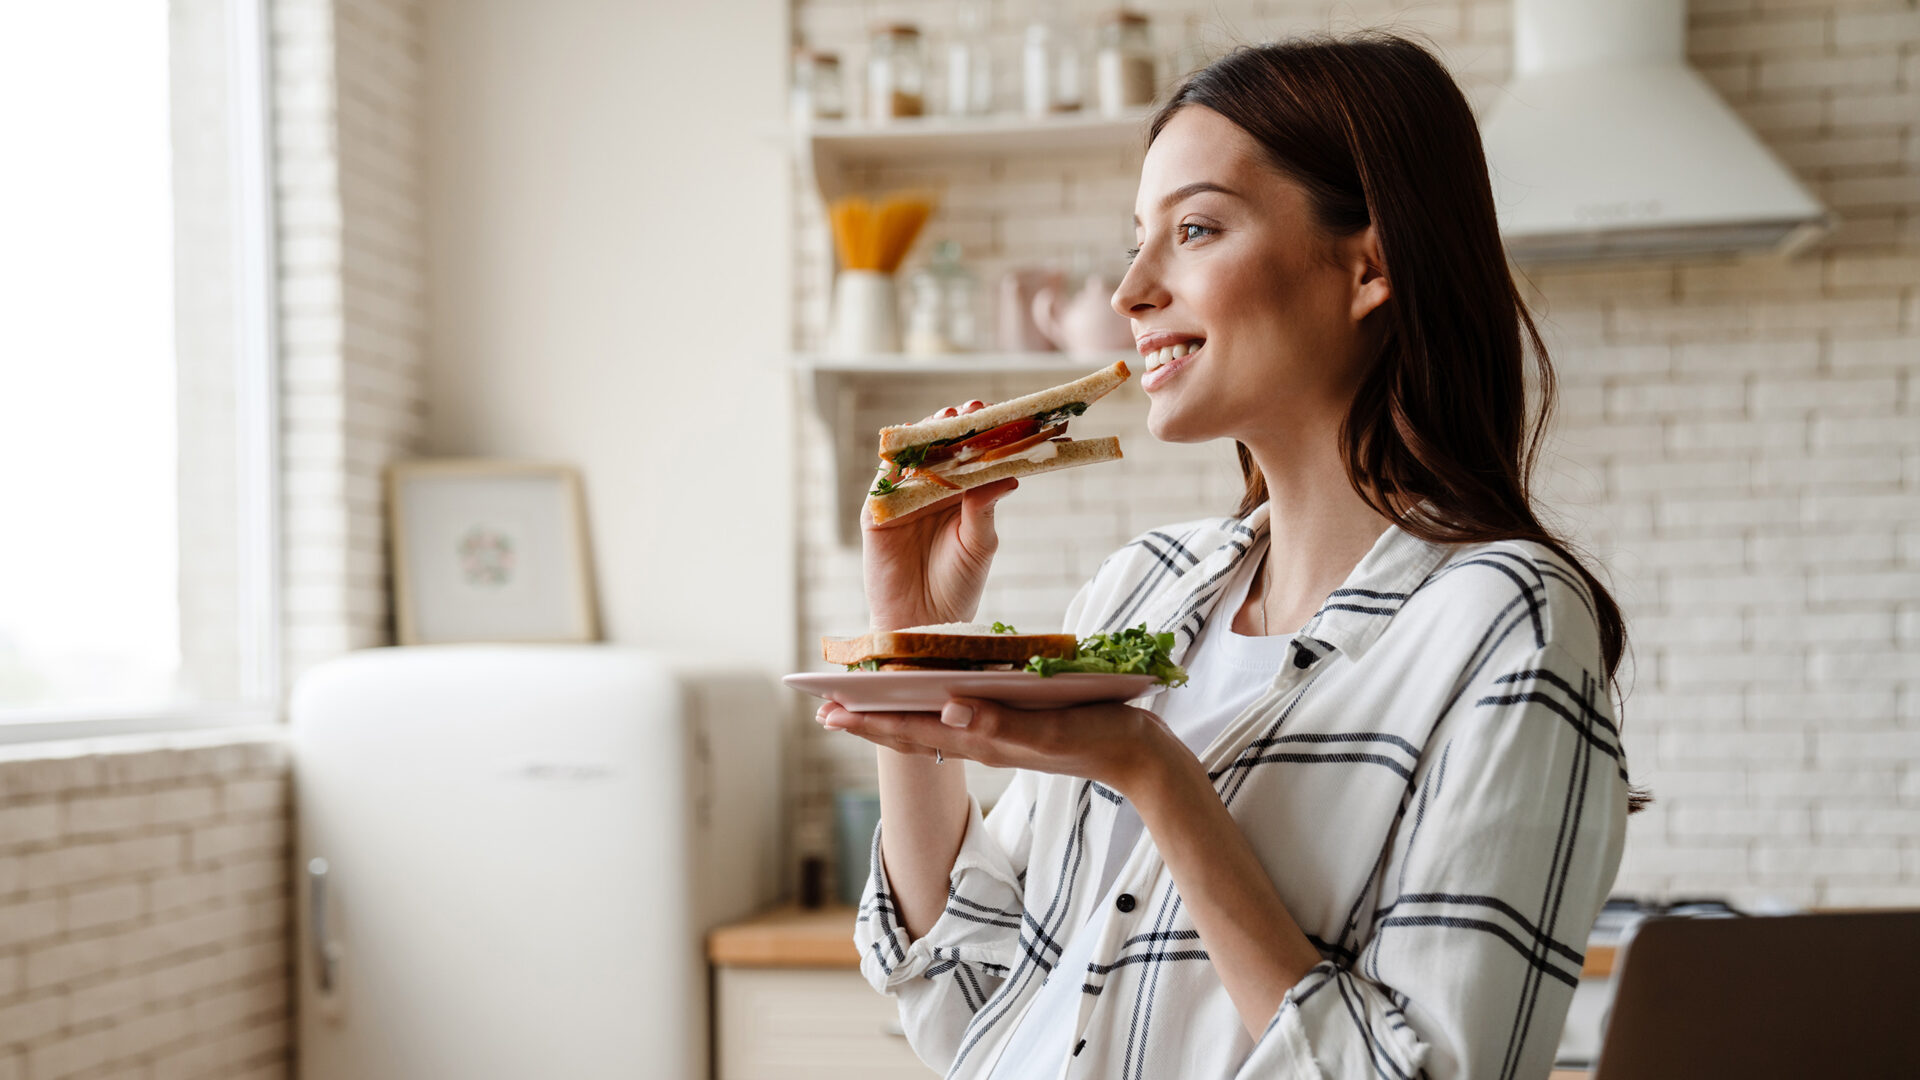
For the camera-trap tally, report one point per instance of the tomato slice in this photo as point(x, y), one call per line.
point(1006, 433)
point(1027, 443)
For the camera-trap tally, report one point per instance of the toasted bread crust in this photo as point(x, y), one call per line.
point(1088, 389)
point(975, 648)
point(911, 495)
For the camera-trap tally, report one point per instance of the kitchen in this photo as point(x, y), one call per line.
point(582, 233)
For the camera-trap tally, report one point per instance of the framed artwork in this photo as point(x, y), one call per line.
point(489, 551)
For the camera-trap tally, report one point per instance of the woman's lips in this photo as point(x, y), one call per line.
point(1158, 376)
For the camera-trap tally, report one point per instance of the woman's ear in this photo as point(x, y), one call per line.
point(1370, 286)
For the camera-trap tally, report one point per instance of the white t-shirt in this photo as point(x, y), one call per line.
point(1226, 673)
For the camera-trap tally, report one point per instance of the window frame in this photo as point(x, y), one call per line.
point(257, 441)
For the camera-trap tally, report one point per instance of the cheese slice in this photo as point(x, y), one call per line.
point(1037, 453)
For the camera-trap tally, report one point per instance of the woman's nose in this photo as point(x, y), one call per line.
point(1138, 292)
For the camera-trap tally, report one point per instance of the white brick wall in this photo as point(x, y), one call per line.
point(144, 908)
point(1738, 443)
point(349, 93)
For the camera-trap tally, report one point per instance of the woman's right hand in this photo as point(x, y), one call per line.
point(930, 566)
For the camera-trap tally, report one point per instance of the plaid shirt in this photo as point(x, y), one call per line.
point(1434, 783)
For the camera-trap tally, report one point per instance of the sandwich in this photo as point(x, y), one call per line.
point(925, 463)
point(999, 647)
point(946, 647)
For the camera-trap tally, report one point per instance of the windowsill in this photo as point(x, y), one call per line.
point(55, 767)
point(23, 729)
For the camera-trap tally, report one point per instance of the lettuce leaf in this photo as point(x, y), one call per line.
point(1132, 651)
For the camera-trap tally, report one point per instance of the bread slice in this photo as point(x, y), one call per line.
point(1087, 390)
point(912, 494)
point(973, 648)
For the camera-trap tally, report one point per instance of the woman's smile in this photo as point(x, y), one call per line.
point(1168, 362)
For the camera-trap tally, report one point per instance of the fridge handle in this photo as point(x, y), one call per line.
point(326, 954)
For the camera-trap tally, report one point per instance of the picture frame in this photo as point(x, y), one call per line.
point(489, 551)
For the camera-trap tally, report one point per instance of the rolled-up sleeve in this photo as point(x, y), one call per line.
point(943, 977)
point(1508, 847)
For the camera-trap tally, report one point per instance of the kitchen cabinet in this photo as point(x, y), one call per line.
point(790, 1003)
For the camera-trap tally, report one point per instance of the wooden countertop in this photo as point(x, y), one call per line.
point(788, 937)
point(795, 937)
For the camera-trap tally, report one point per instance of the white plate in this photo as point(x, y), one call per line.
point(927, 691)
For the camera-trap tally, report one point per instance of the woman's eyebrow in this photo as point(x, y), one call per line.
point(1188, 190)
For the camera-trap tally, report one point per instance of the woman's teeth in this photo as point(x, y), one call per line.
point(1161, 356)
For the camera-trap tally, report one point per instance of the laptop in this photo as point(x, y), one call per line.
point(1767, 997)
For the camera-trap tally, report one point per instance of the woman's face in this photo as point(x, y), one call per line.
point(1231, 266)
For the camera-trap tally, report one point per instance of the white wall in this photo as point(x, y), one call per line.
point(609, 259)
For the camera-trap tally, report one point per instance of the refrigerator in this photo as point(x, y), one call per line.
point(508, 857)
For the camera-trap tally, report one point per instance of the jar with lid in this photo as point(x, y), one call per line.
point(818, 93)
point(1124, 63)
point(943, 312)
point(970, 64)
point(896, 72)
point(1050, 67)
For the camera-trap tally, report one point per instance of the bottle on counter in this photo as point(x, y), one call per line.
point(896, 73)
point(1124, 63)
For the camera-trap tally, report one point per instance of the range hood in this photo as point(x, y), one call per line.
point(1606, 145)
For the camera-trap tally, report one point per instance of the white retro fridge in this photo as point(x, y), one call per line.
point(508, 858)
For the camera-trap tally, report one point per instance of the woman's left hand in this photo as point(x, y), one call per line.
point(1114, 744)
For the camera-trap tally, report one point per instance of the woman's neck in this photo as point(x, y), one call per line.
point(1320, 528)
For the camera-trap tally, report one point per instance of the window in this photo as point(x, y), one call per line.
point(136, 405)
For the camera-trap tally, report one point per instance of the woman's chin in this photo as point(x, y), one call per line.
point(1170, 423)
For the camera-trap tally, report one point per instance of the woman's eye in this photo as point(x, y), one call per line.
point(1194, 232)
point(1132, 254)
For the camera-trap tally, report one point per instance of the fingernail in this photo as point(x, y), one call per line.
point(956, 714)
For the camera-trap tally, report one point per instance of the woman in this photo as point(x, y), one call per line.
point(1370, 836)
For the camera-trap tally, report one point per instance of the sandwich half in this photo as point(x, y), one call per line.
point(946, 647)
point(921, 464)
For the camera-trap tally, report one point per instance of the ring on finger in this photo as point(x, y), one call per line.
point(938, 757)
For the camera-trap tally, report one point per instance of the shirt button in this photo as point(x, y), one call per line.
point(1124, 902)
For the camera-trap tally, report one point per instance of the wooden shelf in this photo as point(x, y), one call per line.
point(833, 383)
point(832, 146)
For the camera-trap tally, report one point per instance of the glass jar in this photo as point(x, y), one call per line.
point(1050, 70)
point(943, 306)
point(970, 64)
point(896, 73)
point(818, 93)
point(1125, 77)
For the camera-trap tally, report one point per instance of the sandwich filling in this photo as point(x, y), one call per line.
point(955, 658)
point(1031, 438)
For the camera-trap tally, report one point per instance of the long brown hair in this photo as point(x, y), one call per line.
point(1438, 437)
